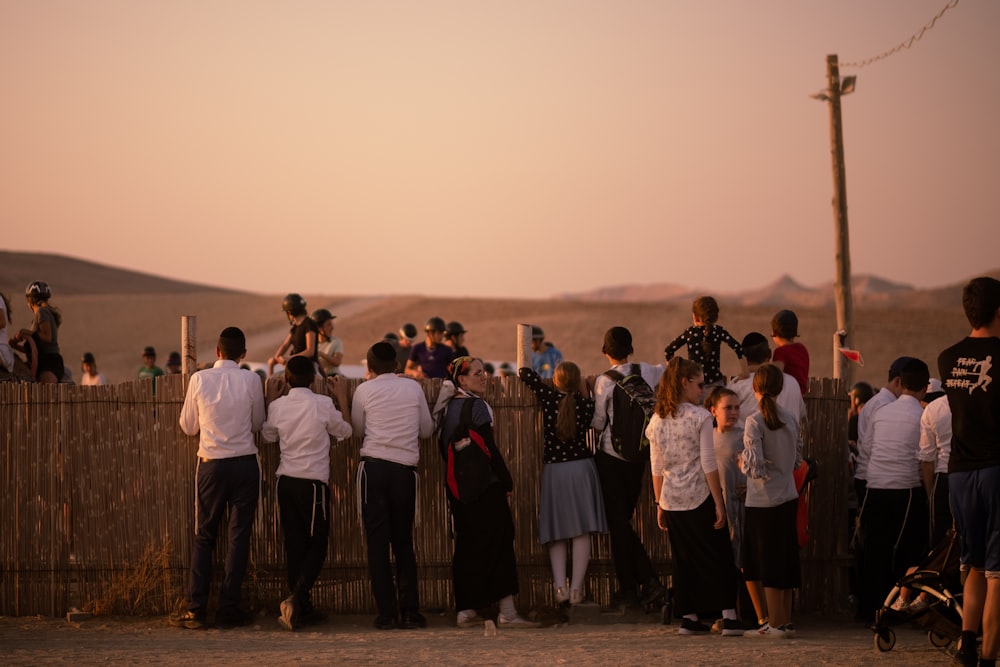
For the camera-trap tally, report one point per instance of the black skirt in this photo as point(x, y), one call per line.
point(771, 545)
point(704, 574)
point(484, 569)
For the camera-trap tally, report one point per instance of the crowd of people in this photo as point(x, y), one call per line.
point(723, 455)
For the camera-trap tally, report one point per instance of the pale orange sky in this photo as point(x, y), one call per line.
point(487, 149)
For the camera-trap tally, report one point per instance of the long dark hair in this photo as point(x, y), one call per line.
point(768, 382)
point(566, 379)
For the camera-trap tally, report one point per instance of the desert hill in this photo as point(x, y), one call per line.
point(117, 321)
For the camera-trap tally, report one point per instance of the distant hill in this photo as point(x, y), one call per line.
point(868, 292)
point(69, 275)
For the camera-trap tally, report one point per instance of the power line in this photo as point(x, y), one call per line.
point(907, 43)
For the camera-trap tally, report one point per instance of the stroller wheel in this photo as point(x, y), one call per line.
point(936, 640)
point(885, 639)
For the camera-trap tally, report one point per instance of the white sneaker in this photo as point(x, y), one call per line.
point(469, 619)
point(765, 631)
point(516, 622)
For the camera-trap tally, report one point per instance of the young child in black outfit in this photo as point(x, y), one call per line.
point(704, 339)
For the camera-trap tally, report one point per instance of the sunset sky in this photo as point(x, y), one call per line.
point(503, 148)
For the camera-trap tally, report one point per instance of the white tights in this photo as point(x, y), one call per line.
point(581, 557)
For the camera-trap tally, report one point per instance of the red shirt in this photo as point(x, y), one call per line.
point(795, 357)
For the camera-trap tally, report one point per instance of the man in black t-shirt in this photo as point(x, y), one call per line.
point(970, 377)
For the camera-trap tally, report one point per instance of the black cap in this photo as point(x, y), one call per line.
point(174, 359)
point(149, 351)
point(88, 358)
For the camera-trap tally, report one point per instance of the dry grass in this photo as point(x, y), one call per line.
point(143, 589)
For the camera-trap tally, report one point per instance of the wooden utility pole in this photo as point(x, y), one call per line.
point(842, 283)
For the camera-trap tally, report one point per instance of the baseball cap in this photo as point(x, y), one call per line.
point(174, 359)
point(149, 351)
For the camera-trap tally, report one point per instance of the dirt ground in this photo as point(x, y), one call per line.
point(352, 640)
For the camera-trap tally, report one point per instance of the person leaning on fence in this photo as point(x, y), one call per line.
point(621, 480)
point(390, 413)
point(571, 504)
point(484, 567)
point(302, 423)
point(224, 406)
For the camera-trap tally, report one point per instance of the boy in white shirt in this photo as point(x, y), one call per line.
point(302, 423)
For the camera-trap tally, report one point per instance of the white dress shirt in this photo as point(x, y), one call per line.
point(875, 403)
point(935, 434)
point(603, 405)
point(302, 422)
point(391, 413)
point(790, 397)
point(893, 461)
point(226, 405)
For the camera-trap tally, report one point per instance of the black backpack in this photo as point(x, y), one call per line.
point(632, 403)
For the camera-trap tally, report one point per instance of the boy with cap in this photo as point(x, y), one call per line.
point(970, 376)
point(174, 363)
point(224, 406)
point(544, 355)
point(430, 359)
point(302, 423)
point(789, 356)
point(894, 515)
point(621, 480)
point(390, 413)
point(757, 352)
point(149, 368)
point(407, 338)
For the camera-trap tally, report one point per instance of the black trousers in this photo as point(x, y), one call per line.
point(621, 483)
point(894, 532)
point(388, 505)
point(223, 485)
point(304, 507)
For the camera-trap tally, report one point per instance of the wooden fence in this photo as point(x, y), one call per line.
point(99, 504)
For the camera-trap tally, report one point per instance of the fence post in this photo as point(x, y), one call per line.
point(189, 343)
point(523, 346)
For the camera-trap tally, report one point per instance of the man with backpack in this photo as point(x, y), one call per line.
point(624, 398)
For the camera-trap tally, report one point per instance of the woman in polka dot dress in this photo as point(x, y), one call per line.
point(571, 503)
point(704, 340)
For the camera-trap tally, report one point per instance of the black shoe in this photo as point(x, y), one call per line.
point(689, 627)
point(412, 620)
point(289, 617)
point(192, 620)
point(385, 622)
point(624, 598)
point(733, 628)
point(652, 591)
point(232, 618)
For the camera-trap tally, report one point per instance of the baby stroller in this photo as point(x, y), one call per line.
point(938, 578)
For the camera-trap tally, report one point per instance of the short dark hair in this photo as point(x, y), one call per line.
point(914, 375)
point(785, 324)
point(381, 358)
point(756, 349)
point(617, 343)
point(981, 300)
point(232, 343)
point(299, 372)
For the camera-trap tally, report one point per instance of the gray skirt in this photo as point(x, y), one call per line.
point(571, 501)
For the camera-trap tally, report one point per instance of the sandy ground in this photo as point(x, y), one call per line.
point(352, 640)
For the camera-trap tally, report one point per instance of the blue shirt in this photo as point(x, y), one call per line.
point(544, 363)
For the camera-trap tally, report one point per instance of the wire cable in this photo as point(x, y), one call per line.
point(906, 43)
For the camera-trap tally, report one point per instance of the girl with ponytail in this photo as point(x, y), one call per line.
point(772, 449)
point(572, 507)
point(704, 340)
point(689, 502)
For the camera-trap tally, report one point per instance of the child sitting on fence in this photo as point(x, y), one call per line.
point(704, 340)
point(571, 503)
point(302, 423)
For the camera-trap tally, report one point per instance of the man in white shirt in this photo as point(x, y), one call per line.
point(302, 422)
point(224, 405)
point(621, 480)
point(886, 395)
point(935, 451)
point(757, 352)
point(391, 413)
point(894, 514)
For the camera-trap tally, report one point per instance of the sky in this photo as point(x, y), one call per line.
point(497, 149)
